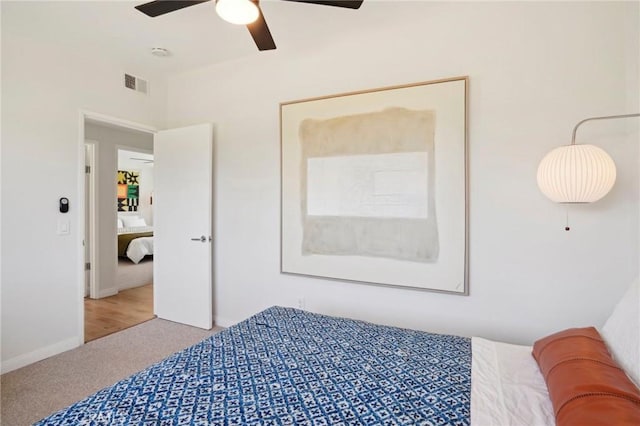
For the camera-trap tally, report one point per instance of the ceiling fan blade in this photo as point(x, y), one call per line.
point(349, 4)
point(261, 34)
point(160, 7)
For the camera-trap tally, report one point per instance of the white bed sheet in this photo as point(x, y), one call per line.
point(135, 229)
point(507, 388)
point(139, 247)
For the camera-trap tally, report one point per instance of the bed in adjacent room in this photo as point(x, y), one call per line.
point(135, 238)
point(284, 366)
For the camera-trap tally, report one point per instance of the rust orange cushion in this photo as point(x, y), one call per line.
point(586, 386)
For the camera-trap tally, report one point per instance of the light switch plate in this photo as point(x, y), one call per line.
point(64, 227)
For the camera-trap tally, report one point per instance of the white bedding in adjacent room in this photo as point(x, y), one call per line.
point(507, 388)
point(140, 247)
point(134, 229)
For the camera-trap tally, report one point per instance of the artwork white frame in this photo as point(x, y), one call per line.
point(374, 186)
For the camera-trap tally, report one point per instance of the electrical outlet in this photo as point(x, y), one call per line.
point(301, 303)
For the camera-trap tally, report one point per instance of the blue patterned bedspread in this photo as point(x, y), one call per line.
point(284, 366)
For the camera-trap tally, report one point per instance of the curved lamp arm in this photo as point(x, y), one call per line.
point(573, 136)
point(578, 173)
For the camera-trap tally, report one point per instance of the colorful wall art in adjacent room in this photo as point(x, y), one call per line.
point(128, 191)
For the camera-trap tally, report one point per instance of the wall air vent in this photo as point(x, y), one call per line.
point(136, 83)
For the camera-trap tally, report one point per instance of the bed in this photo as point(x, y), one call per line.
point(285, 366)
point(135, 238)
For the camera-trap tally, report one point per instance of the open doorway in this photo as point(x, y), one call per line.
point(135, 219)
point(118, 195)
point(183, 221)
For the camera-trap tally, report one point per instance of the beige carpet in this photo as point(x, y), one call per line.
point(40, 389)
point(129, 274)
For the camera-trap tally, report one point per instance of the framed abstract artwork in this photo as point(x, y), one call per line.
point(128, 191)
point(374, 186)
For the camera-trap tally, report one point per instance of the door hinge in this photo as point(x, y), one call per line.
point(87, 266)
point(87, 169)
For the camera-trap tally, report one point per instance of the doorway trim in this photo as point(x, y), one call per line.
point(93, 218)
point(83, 116)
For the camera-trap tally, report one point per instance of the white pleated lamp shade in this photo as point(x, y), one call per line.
point(576, 174)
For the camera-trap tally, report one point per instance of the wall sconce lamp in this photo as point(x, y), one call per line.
point(578, 173)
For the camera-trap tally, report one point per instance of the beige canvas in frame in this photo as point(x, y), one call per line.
point(374, 186)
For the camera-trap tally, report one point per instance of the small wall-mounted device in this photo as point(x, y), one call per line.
point(64, 205)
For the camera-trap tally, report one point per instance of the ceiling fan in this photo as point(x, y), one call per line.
point(241, 12)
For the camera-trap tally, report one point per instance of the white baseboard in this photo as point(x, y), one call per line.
point(107, 292)
point(38, 355)
point(224, 322)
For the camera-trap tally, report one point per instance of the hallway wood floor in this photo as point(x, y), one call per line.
point(115, 313)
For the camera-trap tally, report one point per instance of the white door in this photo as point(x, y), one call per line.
point(183, 222)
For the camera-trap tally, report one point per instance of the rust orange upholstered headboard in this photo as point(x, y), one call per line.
point(586, 386)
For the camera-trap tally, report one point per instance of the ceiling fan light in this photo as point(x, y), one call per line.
point(240, 12)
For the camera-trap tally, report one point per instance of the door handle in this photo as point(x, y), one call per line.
point(202, 239)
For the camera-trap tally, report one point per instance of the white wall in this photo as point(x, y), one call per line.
point(535, 70)
point(108, 140)
point(43, 88)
